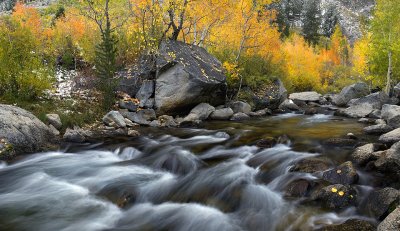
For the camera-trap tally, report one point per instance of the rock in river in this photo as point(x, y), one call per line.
point(186, 76)
point(348, 93)
point(343, 174)
point(381, 202)
point(222, 114)
point(336, 196)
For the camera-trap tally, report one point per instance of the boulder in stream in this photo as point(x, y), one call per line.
point(336, 196)
point(114, 119)
point(240, 106)
point(390, 137)
point(312, 165)
point(348, 93)
point(344, 174)
point(187, 75)
point(200, 112)
point(24, 131)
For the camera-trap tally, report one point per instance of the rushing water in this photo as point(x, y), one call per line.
point(212, 178)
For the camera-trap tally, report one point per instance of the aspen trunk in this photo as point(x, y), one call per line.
point(389, 74)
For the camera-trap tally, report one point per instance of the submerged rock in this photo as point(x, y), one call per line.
point(298, 188)
point(312, 165)
point(344, 174)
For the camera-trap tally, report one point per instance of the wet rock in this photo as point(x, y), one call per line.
point(297, 188)
point(391, 113)
point(390, 137)
point(142, 117)
point(348, 93)
point(268, 142)
point(55, 120)
point(312, 165)
point(288, 104)
point(129, 105)
point(335, 196)
point(260, 113)
point(310, 96)
point(350, 225)
point(391, 222)
point(24, 131)
point(145, 93)
point(114, 118)
point(311, 111)
point(240, 116)
point(382, 202)
point(240, 106)
point(344, 174)
point(378, 129)
point(121, 194)
point(187, 75)
point(274, 95)
point(74, 136)
point(7, 151)
point(200, 112)
point(222, 114)
point(364, 154)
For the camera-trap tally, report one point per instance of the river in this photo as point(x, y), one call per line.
point(208, 178)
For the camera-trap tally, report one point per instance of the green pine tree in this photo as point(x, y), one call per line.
point(312, 22)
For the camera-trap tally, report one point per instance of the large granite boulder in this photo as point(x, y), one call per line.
point(272, 97)
point(240, 106)
point(390, 137)
point(356, 111)
point(24, 131)
point(348, 93)
point(186, 76)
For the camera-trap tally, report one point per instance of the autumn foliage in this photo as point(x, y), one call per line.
point(241, 33)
